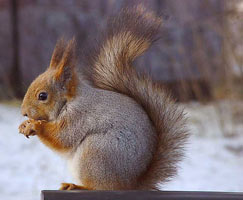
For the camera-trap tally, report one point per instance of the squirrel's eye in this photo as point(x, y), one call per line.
point(42, 96)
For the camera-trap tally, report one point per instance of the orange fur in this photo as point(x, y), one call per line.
point(48, 133)
point(57, 53)
point(62, 72)
point(71, 186)
point(68, 60)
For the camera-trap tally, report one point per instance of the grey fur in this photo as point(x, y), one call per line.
point(121, 129)
point(116, 132)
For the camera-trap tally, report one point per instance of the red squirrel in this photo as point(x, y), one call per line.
point(117, 129)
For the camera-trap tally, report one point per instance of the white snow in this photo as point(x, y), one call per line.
point(214, 155)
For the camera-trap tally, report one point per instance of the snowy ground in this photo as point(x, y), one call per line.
point(214, 158)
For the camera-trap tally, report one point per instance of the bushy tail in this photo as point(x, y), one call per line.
point(130, 34)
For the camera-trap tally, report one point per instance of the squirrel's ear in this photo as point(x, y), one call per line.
point(64, 71)
point(57, 53)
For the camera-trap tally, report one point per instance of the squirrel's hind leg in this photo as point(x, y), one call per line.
point(71, 186)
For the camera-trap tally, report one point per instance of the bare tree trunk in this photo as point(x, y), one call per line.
point(14, 74)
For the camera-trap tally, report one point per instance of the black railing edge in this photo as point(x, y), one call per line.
point(141, 195)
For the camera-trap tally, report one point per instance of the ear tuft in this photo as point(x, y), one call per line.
point(67, 63)
point(64, 62)
point(58, 53)
point(69, 57)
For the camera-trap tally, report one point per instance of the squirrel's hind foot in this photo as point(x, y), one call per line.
point(71, 186)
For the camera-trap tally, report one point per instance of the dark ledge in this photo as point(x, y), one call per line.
point(140, 195)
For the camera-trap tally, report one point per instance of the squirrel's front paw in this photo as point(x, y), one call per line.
point(28, 127)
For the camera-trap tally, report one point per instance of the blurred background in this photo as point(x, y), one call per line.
point(199, 58)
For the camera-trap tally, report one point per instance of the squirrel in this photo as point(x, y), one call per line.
point(117, 128)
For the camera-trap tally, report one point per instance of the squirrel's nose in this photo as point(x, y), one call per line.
point(24, 113)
